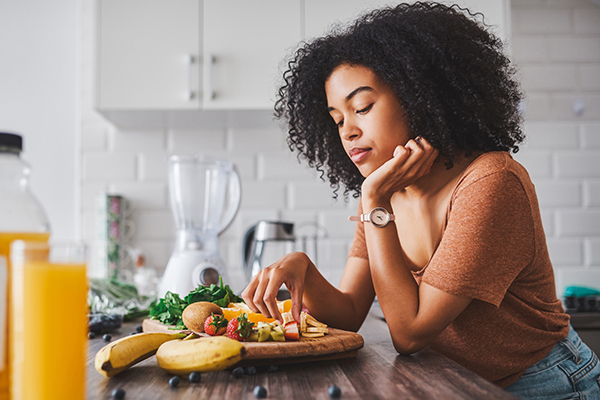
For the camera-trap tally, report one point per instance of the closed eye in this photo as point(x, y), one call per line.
point(365, 110)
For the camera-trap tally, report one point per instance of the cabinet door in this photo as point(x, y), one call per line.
point(321, 15)
point(148, 54)
point(245, 43)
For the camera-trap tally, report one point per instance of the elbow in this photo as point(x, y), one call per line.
point(407, 346)
point(406, 349)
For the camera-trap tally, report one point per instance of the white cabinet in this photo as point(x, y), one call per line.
point(159, 58)
point(189, 54)
point(148, 54)
point(244, 43)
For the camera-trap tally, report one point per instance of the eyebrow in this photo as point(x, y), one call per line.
point(354, 93)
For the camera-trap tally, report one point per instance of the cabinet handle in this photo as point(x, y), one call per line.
point(209, 64)
point(190, 61)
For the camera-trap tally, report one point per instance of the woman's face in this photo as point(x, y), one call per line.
point(368, 115)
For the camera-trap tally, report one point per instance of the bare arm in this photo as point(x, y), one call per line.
point(415, 314)
point(344, 308)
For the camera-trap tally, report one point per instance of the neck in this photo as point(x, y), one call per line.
point(439, 177)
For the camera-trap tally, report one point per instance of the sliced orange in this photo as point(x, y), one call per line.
point(258, 317)
point(287, 305)
point(232, 313)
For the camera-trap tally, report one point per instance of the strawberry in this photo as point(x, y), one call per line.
point(239, 328)
point(215, 325)
point(291, 331)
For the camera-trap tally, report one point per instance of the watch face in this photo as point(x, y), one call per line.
point(379, 217)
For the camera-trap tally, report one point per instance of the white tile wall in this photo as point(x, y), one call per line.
point(555, 44)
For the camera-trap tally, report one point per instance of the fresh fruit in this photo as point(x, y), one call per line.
point(215, 325)
point(195, 377)
point(284, 306)
point(239, 328)
point(174, 381)
point(264, 332)
point(238, 372)
point(195, 315)
point(129, 350)
point(272, 368)
point(118, 394)
point(206, 354)
point(232, 312)
point(310, 327)
point(277, 334)
point(260, 392)
point(334, 392)
point(291, 331)
point(106, 337)
point(251, 370)
point(287, 317)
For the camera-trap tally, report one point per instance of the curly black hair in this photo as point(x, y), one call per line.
point(448, 71)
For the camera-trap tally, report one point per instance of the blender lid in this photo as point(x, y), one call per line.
point(11, 140)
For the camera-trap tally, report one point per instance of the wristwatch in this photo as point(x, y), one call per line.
point(378, 216)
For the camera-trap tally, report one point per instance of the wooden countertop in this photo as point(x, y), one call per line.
point(378, 372)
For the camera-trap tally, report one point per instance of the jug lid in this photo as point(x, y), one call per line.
point(11, 141)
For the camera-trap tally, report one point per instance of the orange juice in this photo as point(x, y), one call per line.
point(49, 330)
point(6, 238)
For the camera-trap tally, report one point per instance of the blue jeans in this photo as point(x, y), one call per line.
point(570, 371)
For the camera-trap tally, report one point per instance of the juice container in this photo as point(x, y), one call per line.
point(49, 338)
point(21, 217)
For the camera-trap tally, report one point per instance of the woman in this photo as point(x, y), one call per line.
point(415, 109)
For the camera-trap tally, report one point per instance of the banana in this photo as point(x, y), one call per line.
point(121, 354)
point(206, 354)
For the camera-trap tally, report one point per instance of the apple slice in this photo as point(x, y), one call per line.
point(291, 331)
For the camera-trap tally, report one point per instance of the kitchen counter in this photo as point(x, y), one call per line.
point(378, 372)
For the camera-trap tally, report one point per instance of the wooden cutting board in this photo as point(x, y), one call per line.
point(334, 345)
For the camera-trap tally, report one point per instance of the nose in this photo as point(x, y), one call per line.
point(350, 130)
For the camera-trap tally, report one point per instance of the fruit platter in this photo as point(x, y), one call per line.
point(212, 329)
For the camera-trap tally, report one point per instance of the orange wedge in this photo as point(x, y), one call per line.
point(286, 305)
point(233, 312)
point(258, 317)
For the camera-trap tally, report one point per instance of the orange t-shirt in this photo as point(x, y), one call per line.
point(493, 250)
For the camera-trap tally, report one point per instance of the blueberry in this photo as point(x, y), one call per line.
point(174, 381)
point(260, 392)
point(91, 335)
point(133, 333)
point(195, 377)
point(139, 329)
point(334, 392)
point(238, 372)
point(272, 368)
point(251, 370)
point(106, 337)
point(118, 394)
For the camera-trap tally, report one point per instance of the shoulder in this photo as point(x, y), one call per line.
point(495, 170)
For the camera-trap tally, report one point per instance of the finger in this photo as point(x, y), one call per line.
point(248, 294)
point(401, 153)
point(296, 303)
point(270, 300)
point(260, 294)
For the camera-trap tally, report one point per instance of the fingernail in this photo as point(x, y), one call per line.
point(396, 151)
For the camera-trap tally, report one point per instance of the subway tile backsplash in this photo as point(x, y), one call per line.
point(556, 46)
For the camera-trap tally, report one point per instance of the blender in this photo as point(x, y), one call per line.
point(205, 196)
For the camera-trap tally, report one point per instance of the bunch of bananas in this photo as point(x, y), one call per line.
point(173, 353)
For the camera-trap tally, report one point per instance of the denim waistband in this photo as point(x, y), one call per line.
point(566, 348)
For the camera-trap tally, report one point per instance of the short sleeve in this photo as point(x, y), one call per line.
point(488, 240)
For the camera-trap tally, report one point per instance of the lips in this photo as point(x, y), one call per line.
point(357, 154)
